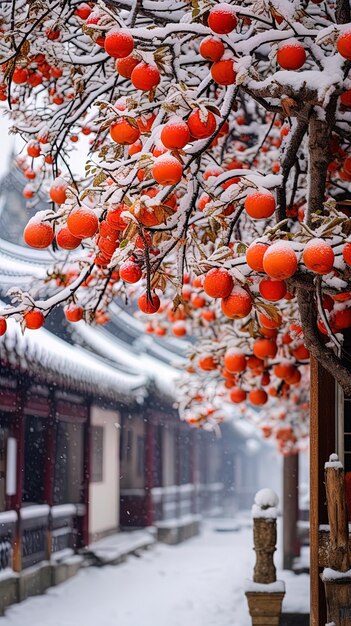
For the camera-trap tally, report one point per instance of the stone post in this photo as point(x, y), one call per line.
point(265, 594)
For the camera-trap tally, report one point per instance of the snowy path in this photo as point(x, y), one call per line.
point(199, 583)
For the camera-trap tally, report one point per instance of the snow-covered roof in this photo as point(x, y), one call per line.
point(14, 211)
point(26, 254)
point(46, 355)
point(20, 265)
point(163, 376)
point(136, 355)
point(165, 349)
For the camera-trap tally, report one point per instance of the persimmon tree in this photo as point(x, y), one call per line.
point(216, 184)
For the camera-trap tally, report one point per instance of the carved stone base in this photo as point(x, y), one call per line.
point(265, 608)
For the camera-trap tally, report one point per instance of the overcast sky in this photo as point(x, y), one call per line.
point(6, 142)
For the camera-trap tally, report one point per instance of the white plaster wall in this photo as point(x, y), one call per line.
point(104, 496)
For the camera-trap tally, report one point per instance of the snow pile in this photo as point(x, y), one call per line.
point(198, 583)
point(277, 587)
point(332, 574)
point(333, 462)
point(8, 517)
point(266, 502)
point(35, 511)
point(117, 546)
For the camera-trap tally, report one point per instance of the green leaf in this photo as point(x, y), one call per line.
point(196, 9)
point(241, 249)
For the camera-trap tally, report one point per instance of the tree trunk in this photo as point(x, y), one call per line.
point(327, 358)
point(319, 157)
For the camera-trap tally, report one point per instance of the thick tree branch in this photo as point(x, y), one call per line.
point(287, 164)
point(326, 357)
point(319, 158)
point(342, 12)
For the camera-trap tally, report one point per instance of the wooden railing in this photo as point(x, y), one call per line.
point(210, 498)
point(173, 501)
point(63, 528)
point(39, 532)
point(8, 521)
point(186, 499)
point(34, 525)
point(177, 501)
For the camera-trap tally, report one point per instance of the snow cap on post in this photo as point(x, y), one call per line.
point(266, 502)
point(333, 462)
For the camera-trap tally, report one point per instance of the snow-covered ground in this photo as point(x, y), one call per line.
point(198, 583)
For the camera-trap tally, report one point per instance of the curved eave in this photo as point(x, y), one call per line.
point(53, 360)
point(19, 265)
point(133, 353)
point(161, 375)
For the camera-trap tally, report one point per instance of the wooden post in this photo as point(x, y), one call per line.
point(336, 501)
point(322, 444)
point(337, 587)
point(265, 605)
point(291, 548)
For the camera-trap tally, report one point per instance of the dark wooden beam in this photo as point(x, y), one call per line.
point(84, 538)
point(291, 547)
point(322, 444)
point(51, 437)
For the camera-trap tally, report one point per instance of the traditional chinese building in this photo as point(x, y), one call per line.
point(90, 441)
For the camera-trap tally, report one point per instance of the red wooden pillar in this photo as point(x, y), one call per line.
point(149, 470)
point(16, 499)
point(322, 444)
